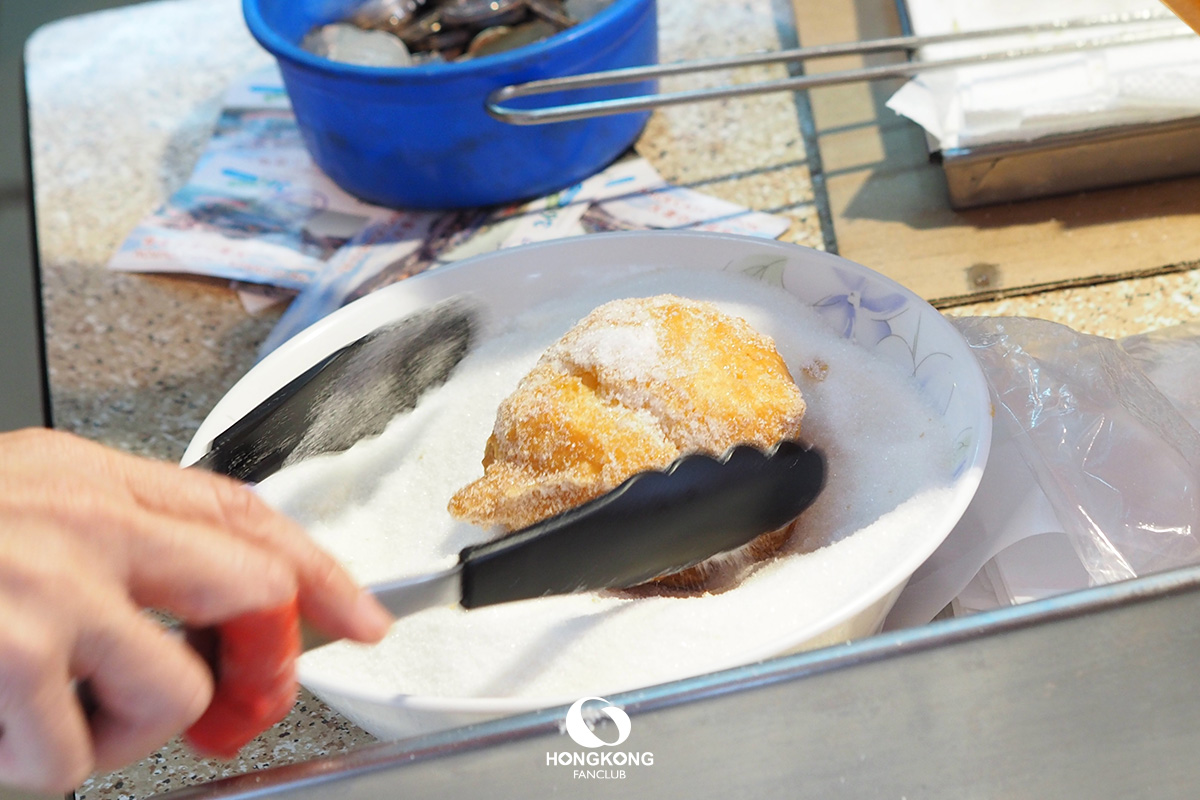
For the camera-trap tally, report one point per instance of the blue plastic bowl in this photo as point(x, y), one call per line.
point(420, 137)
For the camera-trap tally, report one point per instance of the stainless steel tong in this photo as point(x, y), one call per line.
point(1141, 27)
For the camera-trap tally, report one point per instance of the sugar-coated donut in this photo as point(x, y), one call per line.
point(634, 385)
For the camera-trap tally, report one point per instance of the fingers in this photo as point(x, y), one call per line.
point(328, 596)
point(143, 684)
point(194, 570)
point(146, 684)
point(202, 546)
point(45, 744)
point(200, 573)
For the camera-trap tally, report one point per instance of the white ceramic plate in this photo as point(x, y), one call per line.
point(861, 305)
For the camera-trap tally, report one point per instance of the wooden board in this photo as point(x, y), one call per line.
point(889, 209)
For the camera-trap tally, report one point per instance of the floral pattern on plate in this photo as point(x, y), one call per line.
point(870, 312)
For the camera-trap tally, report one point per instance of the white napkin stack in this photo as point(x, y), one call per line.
point(1025, 99)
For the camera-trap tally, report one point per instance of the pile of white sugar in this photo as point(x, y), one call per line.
point(381, 509)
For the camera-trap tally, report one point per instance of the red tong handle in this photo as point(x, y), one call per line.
point(253, 658)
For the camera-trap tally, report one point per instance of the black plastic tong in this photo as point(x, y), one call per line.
point(655, 523)
point(348, 396)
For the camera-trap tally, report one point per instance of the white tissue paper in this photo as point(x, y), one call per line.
point(1029, 98)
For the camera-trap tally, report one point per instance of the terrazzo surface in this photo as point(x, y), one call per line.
point(123, 101)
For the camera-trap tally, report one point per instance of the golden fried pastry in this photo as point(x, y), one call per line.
point(633, 386)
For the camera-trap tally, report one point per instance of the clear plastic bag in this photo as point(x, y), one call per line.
point(1093, 438)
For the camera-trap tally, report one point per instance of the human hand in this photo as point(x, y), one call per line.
point(89, 538)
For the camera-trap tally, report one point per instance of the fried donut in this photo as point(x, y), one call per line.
point(634, 385)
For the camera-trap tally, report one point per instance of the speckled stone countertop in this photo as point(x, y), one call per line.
point(123, 101)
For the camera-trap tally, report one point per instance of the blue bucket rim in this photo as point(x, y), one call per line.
point(497, 63)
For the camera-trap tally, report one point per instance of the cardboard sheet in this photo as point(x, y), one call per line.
point(890, 211)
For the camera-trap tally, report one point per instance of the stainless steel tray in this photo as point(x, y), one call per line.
point(1089, 695)
point(1095, 159)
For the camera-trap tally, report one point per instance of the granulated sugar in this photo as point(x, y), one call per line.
point(381, 508)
